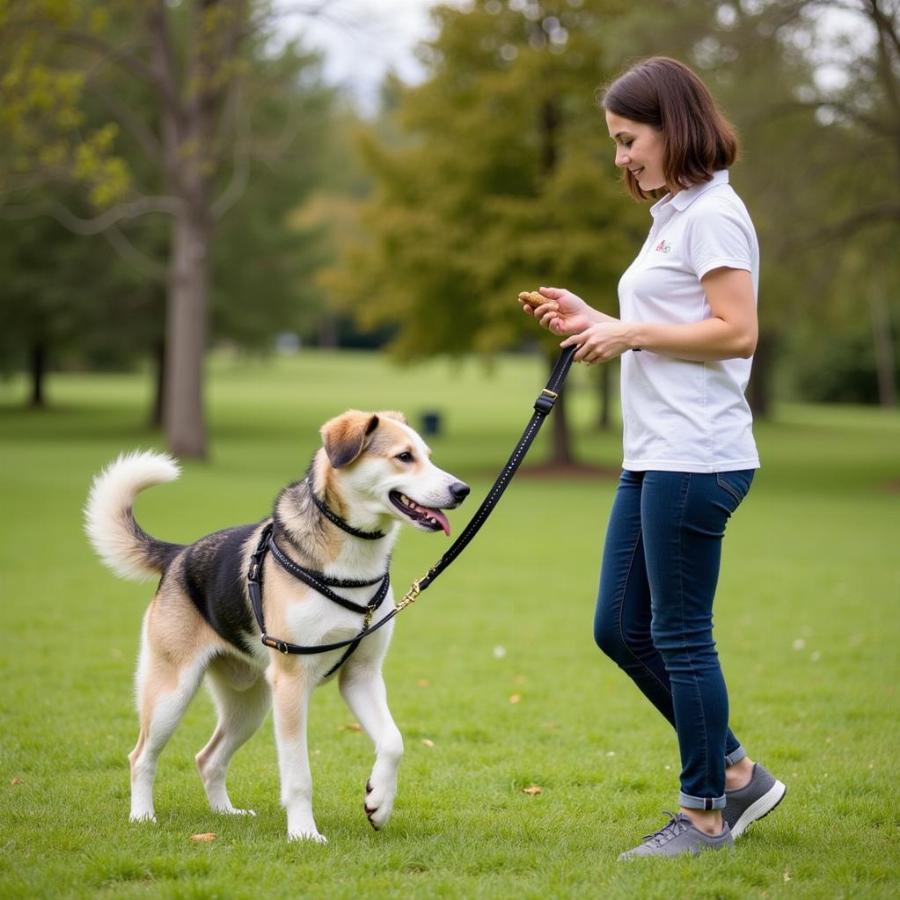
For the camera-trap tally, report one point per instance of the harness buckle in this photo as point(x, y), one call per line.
point(275, 644)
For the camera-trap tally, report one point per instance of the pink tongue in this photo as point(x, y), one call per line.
point(442, 519)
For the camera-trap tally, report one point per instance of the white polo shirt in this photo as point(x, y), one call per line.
point(683, 416)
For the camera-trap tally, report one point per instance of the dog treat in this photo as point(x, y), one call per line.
point(534, 298)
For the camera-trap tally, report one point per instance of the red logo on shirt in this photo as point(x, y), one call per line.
point(663, 247)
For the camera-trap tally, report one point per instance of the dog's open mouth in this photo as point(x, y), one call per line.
point(423, 516)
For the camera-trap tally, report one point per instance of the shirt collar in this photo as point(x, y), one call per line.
point(683, 199)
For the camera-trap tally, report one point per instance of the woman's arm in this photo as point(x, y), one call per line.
point(730, 332)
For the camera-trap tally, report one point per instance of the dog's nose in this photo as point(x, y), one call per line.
point(459, 490)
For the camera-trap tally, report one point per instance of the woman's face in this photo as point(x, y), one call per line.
point(640, 149)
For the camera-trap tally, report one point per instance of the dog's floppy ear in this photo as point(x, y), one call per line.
point(346, 435)
point(392, 414)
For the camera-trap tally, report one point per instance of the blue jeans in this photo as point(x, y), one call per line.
point(654, 611)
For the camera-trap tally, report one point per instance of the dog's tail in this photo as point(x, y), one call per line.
point(109, 520)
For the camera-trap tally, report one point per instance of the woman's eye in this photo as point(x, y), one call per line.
point(405, 456)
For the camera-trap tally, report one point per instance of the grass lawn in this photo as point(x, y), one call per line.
point(493, 677)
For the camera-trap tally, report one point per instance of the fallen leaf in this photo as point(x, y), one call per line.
point(423, 682)
point(533, 790)
point(353, 726)
point(16, 780)
point(205, 838)
point(515, 698)
point(427, 742)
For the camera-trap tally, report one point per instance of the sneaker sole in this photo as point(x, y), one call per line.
point(760, 809)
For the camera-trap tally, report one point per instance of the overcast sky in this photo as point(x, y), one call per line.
point(362, 39)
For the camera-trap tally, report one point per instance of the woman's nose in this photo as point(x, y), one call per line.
point(621, 158)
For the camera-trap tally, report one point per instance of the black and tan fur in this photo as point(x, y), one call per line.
point(373, 471)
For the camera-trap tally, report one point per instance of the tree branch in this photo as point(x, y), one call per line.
point(240, 173)
point(135, 257)
point(133, 124)
point(122, 213)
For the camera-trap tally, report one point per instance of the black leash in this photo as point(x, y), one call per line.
point(542, 407)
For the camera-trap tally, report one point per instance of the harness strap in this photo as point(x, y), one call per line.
point(254, 587)
point(321, 584)
point(335, 519)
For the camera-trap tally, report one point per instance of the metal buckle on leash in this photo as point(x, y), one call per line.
point(545, 400)
point(410, 596)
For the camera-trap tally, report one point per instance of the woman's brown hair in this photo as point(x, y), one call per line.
point(670, 97)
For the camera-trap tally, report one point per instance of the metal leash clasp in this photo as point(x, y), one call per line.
point(410, 596)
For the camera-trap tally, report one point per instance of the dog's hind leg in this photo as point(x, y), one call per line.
point(242, 699)
point(164, 690)
point(362, 687)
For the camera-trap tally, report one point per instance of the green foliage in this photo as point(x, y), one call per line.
point(44, 88)
point(85, 133)
point(806, 626)
point(825, 221)
point(496, 184)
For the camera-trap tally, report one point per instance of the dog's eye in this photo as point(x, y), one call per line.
point(405, 456)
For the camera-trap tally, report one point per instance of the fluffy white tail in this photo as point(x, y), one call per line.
point(109, 521)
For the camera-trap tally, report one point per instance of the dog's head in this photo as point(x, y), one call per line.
point(377, 461)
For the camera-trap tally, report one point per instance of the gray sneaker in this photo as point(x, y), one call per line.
point(679, 835)
point(753, 801)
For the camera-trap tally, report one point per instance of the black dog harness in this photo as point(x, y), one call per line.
point(322, 584)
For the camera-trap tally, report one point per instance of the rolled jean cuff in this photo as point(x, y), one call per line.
point(706, 803)
point(735, 756)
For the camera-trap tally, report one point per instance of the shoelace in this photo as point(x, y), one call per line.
point(670, 830)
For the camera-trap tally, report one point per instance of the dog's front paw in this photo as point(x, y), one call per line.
point(233, 811)
point(378, 804)
point(313, 836)
point(142, 817)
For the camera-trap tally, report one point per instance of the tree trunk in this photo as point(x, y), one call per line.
point(158, 361)
point(549, 127)
point(885, 360)
point(38, 360)
point(759, 391)
point(186, 326)
point(604, 397)
point(561, 452)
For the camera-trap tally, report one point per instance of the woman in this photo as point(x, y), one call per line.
point(686, 337)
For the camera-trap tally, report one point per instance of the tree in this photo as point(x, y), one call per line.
point(503, 180)
point(817, 210)
point(200, 105)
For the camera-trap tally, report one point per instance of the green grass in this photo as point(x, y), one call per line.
point(807, 625)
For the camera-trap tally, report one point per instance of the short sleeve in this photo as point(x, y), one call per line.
point(720, 237)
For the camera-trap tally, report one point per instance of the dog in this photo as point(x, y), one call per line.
point(339, 524)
